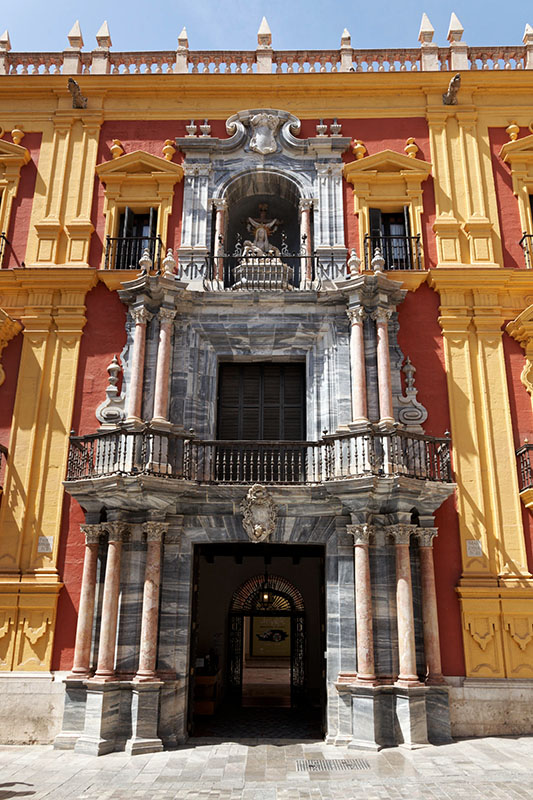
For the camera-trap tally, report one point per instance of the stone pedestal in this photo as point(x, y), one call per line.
point(73, 714)
point(102, 719)
point(438, 715)
point(367, 717)
point(410, 716)
point(144, 719)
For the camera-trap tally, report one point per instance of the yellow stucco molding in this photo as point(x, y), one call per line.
point(139, 180)
point(9, 328)
point(518, 155)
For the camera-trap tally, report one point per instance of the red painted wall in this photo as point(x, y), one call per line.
point(19, 223)
point(420, 338)
point(521, 418)
point(508, 214)
point(103, 336)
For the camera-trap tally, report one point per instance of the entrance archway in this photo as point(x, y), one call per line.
point(276, 614)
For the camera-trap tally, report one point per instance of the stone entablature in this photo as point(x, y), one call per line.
point(429, 57)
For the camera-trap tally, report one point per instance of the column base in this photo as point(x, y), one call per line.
point(73, 714)
point(102, 719)
point(144, 718)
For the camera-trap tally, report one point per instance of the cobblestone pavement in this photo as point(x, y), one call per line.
point(475, 769)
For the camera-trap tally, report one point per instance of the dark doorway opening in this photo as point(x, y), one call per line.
point(258, 641)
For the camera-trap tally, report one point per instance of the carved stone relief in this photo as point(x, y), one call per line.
point(260, 514)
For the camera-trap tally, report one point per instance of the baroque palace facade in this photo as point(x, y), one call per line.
point(266, 338)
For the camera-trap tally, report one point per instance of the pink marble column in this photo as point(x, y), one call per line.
point(429, 606)
point(366, 672)
point(162, 372)
point(404, 606)
point(357, 365)
point(141, 317)
point(82, 648)
point(155, 532)
point(221, 208)
point(306, 205)
point(386, 414)
point(105, 670)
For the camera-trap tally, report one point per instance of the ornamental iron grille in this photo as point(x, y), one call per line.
point(284, 600)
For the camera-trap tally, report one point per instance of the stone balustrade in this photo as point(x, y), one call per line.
point(427, 58)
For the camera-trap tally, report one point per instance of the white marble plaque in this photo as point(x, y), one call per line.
point(46, 544)
point(473, 548)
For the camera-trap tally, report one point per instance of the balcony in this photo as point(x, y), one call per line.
point(398, 252)
point(125, 252)
point(371, 453)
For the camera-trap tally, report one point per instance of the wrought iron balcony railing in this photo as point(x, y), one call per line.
point(524, 457)
point(526, 243)
point(169, 455)
point(125, 252)
point(398, 252)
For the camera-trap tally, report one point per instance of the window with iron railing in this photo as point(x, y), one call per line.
point(137, 233)
point(390, 232)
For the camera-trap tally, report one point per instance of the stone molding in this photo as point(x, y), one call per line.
point(141, 315)
point(356, 315)
point(166, 315)
point(381, 315)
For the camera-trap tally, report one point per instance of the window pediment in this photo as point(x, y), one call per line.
point(388, 164)
point(521, 150)
point(13, 155)
point(139, 163)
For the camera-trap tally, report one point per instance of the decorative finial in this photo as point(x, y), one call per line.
point(75, 38)
point(359, 149)
point(427, 31)
point(346, 39)
point(335, 128)
point(168, 149)
point(5, 42)
point(103, 36)
point(354, 264)
point(17, 134)
point(410, 147)
point(264, 34)
point(169, 264)
point(145, 262)
point(378, 262)
point(512, 130)
point(191, 128)
point(183, 39)
point(205, 128)
point(528, 34)
point(321, 129)
point(455, 30)
point(116, 148)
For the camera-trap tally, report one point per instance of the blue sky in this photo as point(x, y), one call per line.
point(232, 24)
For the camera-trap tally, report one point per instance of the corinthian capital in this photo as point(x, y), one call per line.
point(402, 533)
point(92, 532)
point(166, 315)
point(141, 315)
point(425, 536)
point(117, 531)
point(361, 533)
point(155, 531)
point(382, 315)
point(356, 315)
